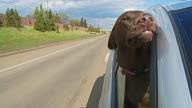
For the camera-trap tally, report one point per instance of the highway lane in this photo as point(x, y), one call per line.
point(60, 76)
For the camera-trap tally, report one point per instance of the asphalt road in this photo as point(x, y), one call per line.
point(60, 76)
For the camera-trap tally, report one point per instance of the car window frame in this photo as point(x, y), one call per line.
point(179, 32)
point(153, 97)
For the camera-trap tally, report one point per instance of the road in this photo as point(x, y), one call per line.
point(59, 76)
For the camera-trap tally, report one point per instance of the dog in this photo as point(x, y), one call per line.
point(131, 36)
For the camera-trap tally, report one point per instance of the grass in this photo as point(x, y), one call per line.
point(11, 39)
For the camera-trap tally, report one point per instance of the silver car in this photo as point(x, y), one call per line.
point(171, 62)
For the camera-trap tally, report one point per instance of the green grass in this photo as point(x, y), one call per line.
point(11, 39)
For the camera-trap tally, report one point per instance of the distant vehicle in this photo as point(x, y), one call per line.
point(171, 62)
point(93, 33)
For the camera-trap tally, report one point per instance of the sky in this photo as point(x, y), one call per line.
point(97, 12)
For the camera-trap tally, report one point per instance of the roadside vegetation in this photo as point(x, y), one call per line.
point(47, 28)
point(11, 39)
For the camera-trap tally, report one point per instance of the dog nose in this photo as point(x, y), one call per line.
point(147, 20)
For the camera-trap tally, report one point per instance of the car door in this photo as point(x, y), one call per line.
point(169, 85)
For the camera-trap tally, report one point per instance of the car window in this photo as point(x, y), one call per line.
point(183, 31)
point(185, 19)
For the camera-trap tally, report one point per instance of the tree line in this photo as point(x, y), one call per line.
point(91, 28)
point(45, 20)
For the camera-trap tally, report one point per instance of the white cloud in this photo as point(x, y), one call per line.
point(105, 23)
point(115, 5)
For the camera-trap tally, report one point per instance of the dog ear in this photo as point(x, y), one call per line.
point(111, 43)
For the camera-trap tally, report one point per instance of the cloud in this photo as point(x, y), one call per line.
point(104, 23)
point(98, 9)
point(100, 12)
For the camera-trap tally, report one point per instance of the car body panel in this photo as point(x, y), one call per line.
point(173, 90)
point(107, 90)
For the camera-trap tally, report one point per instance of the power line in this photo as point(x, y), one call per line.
point(14, 5)
point(30, 8)
point(47, 5)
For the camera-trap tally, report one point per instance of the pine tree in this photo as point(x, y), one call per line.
point(39, 16)
point(10, 18)
point(13, 18)
point(85, 23)
point(46, 18)
point(92, 28)
point(51, 21)
point(82, 23)
point(18, 22)
point(57, 18)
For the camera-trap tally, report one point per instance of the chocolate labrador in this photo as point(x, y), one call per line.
point(131, 36)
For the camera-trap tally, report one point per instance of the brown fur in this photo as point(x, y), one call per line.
point(132, 42)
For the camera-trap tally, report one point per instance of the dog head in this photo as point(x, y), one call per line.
point(132, 29)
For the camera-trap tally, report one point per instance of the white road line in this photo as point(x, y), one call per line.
point(44, 56)
point(107, 57)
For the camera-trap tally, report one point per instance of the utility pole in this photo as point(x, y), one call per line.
point(47, 5)
point(69, 14)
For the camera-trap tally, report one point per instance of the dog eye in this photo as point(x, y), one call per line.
point(126, 18)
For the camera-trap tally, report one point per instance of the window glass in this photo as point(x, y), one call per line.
point(185, 17)
point(183, 31)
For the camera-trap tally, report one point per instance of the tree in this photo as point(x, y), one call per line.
point(92, 28)
point(74, 22)
point(82, 22)
point(31, 15)
point(13, 18)
point(57, 18)
point(17, 19)
point(46, 18)
point(10, 18)
point(63, 18)
point(49, 21)
point(39, 16)
point(85, 23)
point(45, 21)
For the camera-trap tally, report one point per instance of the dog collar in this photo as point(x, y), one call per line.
point(136, 71)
